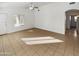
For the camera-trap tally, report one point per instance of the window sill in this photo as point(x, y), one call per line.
point(18, 25)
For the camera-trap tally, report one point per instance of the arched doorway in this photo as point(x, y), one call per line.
point(72, 19)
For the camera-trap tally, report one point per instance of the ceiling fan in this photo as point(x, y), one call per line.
point(33, 7)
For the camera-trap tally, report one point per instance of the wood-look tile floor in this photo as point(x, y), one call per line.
point(12, 45)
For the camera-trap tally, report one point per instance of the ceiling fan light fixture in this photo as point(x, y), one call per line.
point(33, 7)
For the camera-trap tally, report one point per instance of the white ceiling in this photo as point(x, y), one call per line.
point(20, 4)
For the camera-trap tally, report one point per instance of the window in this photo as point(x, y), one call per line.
point(19, 20)
point(75, 18)
point(70, 18)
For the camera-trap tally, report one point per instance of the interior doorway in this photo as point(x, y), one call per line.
point(72, 20)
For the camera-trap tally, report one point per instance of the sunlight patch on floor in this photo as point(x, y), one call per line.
point(30, 30)
point(75, 33)
point(41, 40)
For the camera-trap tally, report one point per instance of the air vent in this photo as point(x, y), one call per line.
point(72, 3)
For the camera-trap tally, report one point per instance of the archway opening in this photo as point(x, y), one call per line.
point(72, 20)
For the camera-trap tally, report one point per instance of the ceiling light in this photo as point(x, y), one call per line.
point(33, 7)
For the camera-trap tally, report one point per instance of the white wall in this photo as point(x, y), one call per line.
point(52, 16)
point(11, 12)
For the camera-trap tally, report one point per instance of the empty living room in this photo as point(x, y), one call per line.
point(39, 29)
